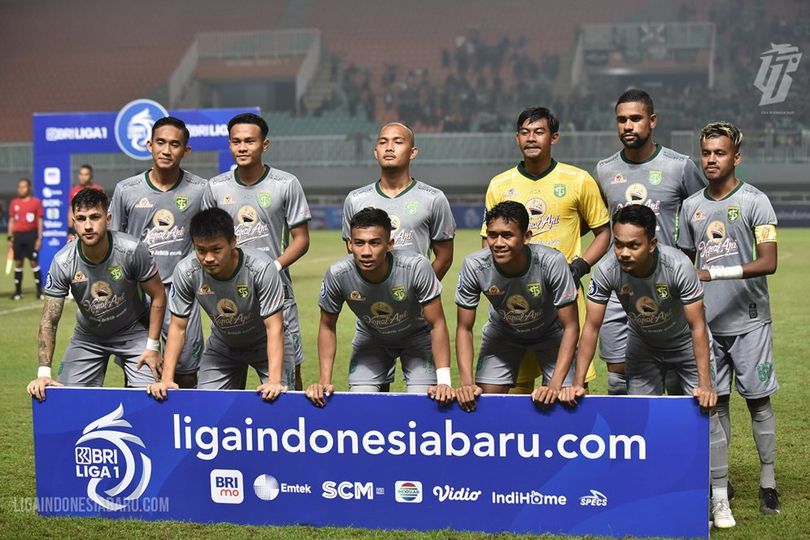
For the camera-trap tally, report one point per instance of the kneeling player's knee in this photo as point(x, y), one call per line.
point(617, 384)
point(366, 388)
point(760, 408)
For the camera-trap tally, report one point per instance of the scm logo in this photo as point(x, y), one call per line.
point(350, 490)
point(227, 486)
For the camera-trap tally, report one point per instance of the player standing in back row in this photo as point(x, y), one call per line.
point(559, 198)
point(644, 172)
point(730, 227)
point(269, 209)
point(156, 207)
point(420, 214)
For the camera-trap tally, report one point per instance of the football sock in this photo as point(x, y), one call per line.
point(18, 276)
point(718, 457)
point(38, 278)
point(723, 415)
point(763, 425)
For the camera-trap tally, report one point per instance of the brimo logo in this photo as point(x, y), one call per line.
point(773, 78)
point(107, 463)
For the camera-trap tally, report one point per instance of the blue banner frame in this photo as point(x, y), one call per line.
point(613, 466)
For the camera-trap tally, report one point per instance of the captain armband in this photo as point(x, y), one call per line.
point(765, 233)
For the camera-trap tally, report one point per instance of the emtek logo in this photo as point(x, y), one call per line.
point(267, 488)
point(350, 490)
point(408, 492)
point(227, 486)
point(133, 126)
point(594, 499)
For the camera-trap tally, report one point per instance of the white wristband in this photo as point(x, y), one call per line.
point(152, 344)
point(443, 376)
point(726, 272)
point(43, 371)
point(278, 265)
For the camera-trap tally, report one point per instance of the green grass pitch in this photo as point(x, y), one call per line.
point(790, 291)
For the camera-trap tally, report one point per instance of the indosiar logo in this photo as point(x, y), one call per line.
point(104, 454)
point(133, 126)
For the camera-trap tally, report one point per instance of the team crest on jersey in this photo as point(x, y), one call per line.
point(116, 273)
point(181, 202)
point(560, 190)
point(534, 289)
point(733, 213)
point(698, 216)
point(356, 296)
point(398, 293)
point(144, 203)
point(79, 277)
point(636, 194)
point(494, 291)
point(204, 290)
point(655, 177)
point(618, 179)
point(242, 290)
point(163, 220)
point(227, 199)
point(411, 207)
point(662, 289)
point(264, 199)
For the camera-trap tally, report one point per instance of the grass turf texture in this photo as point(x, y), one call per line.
point(790, 290)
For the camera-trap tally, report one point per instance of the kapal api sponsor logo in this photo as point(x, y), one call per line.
point(113, 461)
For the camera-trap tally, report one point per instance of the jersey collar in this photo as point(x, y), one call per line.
point(520, 274)
point(654, 266)
point(730, 193)
point(652, 156)
point(398, 195)
point(239, 180)
point(390, 258)
point(106, 255)
point(522, 170)
point(155, 188)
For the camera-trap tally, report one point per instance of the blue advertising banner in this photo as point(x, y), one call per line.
point(612, 466)
point(59, 135)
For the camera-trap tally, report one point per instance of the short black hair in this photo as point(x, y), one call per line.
point(249, 118)
point(371, 217)
point(211, 223)
point(26, 180)
point(174, 122)
point(634, 95)
point(509, 211)
point(90, 198)
point(638, 215)
point(533, 114)
point(86, 166)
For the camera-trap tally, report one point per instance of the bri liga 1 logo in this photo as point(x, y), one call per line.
point(133, 126)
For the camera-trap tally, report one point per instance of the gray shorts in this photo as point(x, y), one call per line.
point(226, 368)
point(189, 361)
point(646, 369)
point(292, 332)
point(500, 357)
point(85, 361)
point(748, 359)
point(374, 362)
point(613, 334)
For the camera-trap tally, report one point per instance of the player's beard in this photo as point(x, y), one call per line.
point(638, 142)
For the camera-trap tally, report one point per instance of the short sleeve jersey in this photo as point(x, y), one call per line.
point(110, 303)
point(419, 215)
point(159, 218)
point(521, 307)
point(724, 233)
point(26, 213)
point(389, 310)
point(653, 303)
point(263, 213)
point(558, 201)
point(661, 182)
point(237, 306)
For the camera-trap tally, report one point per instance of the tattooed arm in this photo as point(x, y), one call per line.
point(51, 313)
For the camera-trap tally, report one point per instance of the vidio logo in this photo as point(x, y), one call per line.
point(104, 454)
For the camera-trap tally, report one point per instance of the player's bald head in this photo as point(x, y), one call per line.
point(403, 127)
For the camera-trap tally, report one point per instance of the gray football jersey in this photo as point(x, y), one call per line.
point(521, 307)
point(419, 215)
point(390, 310)
point(723, 233)
point(662, 183)
point(654, 304)
point(263, 213)
point(110, 303)
point(237, 306)
point(159, 218)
